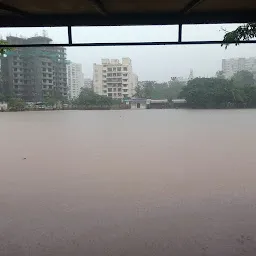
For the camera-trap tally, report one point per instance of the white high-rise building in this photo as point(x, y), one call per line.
point(114, 79)
point(231, 66)
point(75, 79)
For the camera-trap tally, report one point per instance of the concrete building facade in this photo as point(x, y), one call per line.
point(75, 79)
point(114, 79)
point(88, 83)
point(231, 66)
point(32, 73)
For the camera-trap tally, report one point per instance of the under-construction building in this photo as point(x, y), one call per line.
point(34, 73)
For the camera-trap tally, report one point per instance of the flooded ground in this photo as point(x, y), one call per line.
point(121, 183)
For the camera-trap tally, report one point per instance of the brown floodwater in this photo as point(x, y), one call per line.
point(121, 183)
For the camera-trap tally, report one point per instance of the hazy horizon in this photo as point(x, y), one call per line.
point(158, 63)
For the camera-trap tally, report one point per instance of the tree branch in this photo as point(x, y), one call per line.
point(242, 33)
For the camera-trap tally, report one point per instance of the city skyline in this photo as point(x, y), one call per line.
point(162, 62)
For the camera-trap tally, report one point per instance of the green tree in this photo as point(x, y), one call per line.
point(16, 104)
point(51, 101)
point(88, 99)
point(154, 90)
point(220, 74)
point(2, 97)
point(139, 91)
point(243, 78)
point(4, 50)
point(250, 96)
point(241, 33)
point(208, 93)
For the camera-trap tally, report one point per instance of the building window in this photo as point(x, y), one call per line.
point(109, 69)
point(114, 69)
point(50, 81)
point(119, 89)
point(15, 69)
point(44, 69)
point(44, 80)
point(43, 63)
point(119, 69)
point(109, 89)
point(109, 94)
point(124, 68)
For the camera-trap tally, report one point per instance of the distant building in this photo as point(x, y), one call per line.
point(75, 79)
point(114, 79)
point(191, 75)
point(142, 103)
point(138, 103)
point(180, 101)
point(159, 104)
point(177, 103)
point(34, 73)
point(87, 83)
point(231, 66)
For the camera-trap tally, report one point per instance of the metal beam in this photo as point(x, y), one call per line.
point(11, 9)
point(69, 35)
point(127, 19)
point(99, 6)
point(126, 44)
point(180, 33)
point(192, 4)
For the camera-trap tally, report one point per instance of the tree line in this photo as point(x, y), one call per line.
point(154, 90)
point(218, 92)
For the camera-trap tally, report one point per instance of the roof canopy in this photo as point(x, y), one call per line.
point(15, 13)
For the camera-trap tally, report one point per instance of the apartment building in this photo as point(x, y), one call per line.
point(231, 66)
point(75, 79)
point(114, 79)
point(88, 83)
point(34, 73)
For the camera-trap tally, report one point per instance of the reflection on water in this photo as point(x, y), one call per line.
point(149, 182)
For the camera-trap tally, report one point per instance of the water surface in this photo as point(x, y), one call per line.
point(117, 183)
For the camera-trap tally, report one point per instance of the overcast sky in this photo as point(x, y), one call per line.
point(149, 62)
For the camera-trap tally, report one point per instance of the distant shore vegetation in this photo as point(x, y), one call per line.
point(217, 92)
